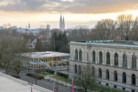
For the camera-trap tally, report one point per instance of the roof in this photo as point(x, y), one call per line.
point(109, 43)
point(45, 54)
point(11, 84)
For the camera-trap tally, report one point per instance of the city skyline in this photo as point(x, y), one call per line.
point(76, 12)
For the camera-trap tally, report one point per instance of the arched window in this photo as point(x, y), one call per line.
point(80, 55)
point(116, 59)
point(107, 75)
point(133, 79)
point(93, 56)
point(79, 69)
point(76, 54)
point(108, 58)
point(134, 62)
point(124, 77)
point(100, 57)
point(124, 60)
point(115, 76)
point(93, 71)
point(75, 69)
point(100, 73)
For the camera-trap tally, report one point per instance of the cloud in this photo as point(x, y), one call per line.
point(73, 6)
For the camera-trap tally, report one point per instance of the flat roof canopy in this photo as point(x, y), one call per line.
point(45, 54)
point(11, 84)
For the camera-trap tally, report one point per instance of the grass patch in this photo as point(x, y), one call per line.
point(107, 89)
point(97, 87)
point(45, 73)
point(61, 78)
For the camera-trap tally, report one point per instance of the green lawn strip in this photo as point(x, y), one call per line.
point(45, 73)
point(107, 89)
point(98, 87)
point(62, 70)
point(67, 80)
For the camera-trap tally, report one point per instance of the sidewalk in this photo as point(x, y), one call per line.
point(60, 82)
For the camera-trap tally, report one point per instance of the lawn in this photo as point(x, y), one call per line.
point(107, 89)
point(98, 87)
point(67, 80)
point(45, 73)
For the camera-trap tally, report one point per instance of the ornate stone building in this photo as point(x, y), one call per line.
point(115, 63)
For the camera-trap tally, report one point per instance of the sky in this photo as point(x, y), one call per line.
point(76, 12)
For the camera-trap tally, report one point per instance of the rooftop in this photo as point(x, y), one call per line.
point(11, 84)
point(45, 54)
point(113, 43)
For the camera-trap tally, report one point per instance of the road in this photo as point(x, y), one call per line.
point(44, 83)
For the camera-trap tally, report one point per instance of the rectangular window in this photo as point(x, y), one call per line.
point(88, 57)
point(115, 86)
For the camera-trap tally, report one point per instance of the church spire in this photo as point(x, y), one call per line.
point(62, 23)
point(29, 25)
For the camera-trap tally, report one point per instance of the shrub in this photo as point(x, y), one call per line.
point(35, 75)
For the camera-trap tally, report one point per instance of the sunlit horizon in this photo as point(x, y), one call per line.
point(40, 12)
point(42, 19)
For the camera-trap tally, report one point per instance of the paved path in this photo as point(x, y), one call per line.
point(45, 84)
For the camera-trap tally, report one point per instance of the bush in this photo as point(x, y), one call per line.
point(16, 76)
point(35, 75)
point(50, 71)
point(40, 70)
point(62, 74)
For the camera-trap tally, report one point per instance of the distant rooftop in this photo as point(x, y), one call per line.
point(11, 84)
point(113, 43)
point(45, 54)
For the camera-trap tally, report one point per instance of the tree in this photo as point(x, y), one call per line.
point(125, 23)
point(38, 45)
point(17, 66)
point(134, 32)
point(11, 44)
point(59, 42)
point(104, 30)
point(79, 34)
point(86, 77)
point(6, 61)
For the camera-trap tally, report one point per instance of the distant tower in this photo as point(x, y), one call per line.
point(29, 26)
point(62, 23)
point(48, 27)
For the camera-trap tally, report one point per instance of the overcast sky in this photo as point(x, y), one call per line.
point(76, 12)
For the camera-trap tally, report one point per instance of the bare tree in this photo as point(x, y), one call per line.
point(79, 34)
point(104, 30)
point(86, 76)
point(6, 61)
point(134, 32)
point(125, 25)
point(17, 66)
point(11, 44)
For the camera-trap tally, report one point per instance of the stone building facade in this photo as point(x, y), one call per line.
point(115, 63)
